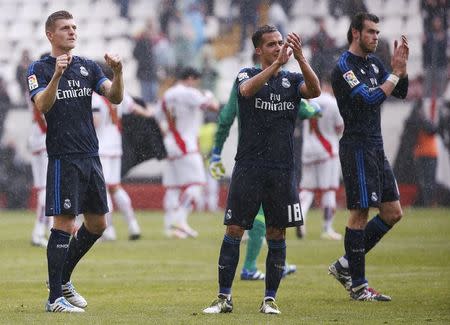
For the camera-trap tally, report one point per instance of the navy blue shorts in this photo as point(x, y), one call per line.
point(368, 177)
point(75, 186)
point(275, 189)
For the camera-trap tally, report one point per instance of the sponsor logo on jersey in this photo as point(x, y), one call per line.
point(32, 82)
point(351, 79)
point(73, 93)
point(285, 83)
point(362, 71)
point(375, 68)
point(62, 245)
point(271, 106)
point(83, 71)
point(67, 204)
point(243, 75)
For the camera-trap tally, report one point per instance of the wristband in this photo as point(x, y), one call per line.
point(393, 78)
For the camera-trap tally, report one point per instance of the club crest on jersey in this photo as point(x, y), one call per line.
point(32, 82)
point(67, 204)
point(375, 68)
point(374, 197)
point(351, 79)
point(228, 215)
point(83, 71)
point(285, 83)
point(243, 75)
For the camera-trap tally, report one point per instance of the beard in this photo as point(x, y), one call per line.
point(367, 49)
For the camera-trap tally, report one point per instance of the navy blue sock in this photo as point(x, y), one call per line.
point(79, 245)
point(275, 264)
point(228, 261)
point(57, 247)
point(374, 231)
point(355, 251)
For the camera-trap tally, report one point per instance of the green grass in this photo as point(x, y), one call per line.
point(161, 281)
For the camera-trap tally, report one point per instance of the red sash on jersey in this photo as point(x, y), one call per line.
point(38, 117)
point(113, 113)
point(172, 128)
point(314, 127)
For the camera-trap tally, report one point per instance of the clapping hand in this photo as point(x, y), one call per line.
point(400, 57)
point(114, 62)
point(294, 42)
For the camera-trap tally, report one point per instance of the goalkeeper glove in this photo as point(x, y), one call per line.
point(216, 167)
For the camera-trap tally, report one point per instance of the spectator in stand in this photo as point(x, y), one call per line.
point(21, 73)
point(124, 6)
point(431, 9)
point(168, 13)
point(248, 19)
point(195, 16)
point(323, 50)
point(435, 58)
point(425, 118)
point(278, 17)
point(5, 104)
point(146, 68)
point(349, 8)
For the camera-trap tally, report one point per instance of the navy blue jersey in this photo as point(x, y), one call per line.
point(267, 120)
point(70, 127)
point(356, 82)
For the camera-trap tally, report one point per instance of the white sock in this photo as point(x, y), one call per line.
point(40, 222)
point(123, 203)
point(343, 262)
point(306, 199)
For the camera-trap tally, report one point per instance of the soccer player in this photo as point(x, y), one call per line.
point(320, 162)
point(61, 87)
point(107, 122)
point(268, 99)
point(361, 84)
point(217, 170)
point(39, 161)
point(184, 173)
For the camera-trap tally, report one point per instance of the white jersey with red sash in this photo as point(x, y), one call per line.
point(183, 110)
point(321, 146)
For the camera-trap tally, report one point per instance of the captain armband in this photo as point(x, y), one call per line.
point(393, 78)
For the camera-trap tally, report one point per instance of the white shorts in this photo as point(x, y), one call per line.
point(111, 169)
point(184, 171)
point(323, 175)
point(39, 163)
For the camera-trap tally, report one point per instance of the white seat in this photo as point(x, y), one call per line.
point(116, 27)
point(305, 26)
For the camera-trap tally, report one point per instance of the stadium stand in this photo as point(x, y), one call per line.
point(101, 28)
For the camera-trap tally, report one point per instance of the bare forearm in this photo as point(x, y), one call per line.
point(45, 99)
point(252, 85)
point(311, 80)
point(115, 93)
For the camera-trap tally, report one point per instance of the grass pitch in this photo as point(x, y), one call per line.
point(160, 281)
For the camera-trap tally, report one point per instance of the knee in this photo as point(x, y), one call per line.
point(95, 225)
point(235, 231)
point(275, 233)
point(393, 217)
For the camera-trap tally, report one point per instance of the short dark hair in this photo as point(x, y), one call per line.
point(188, 72)
point(61, 14)
point(258, 34)
point(358, 23)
